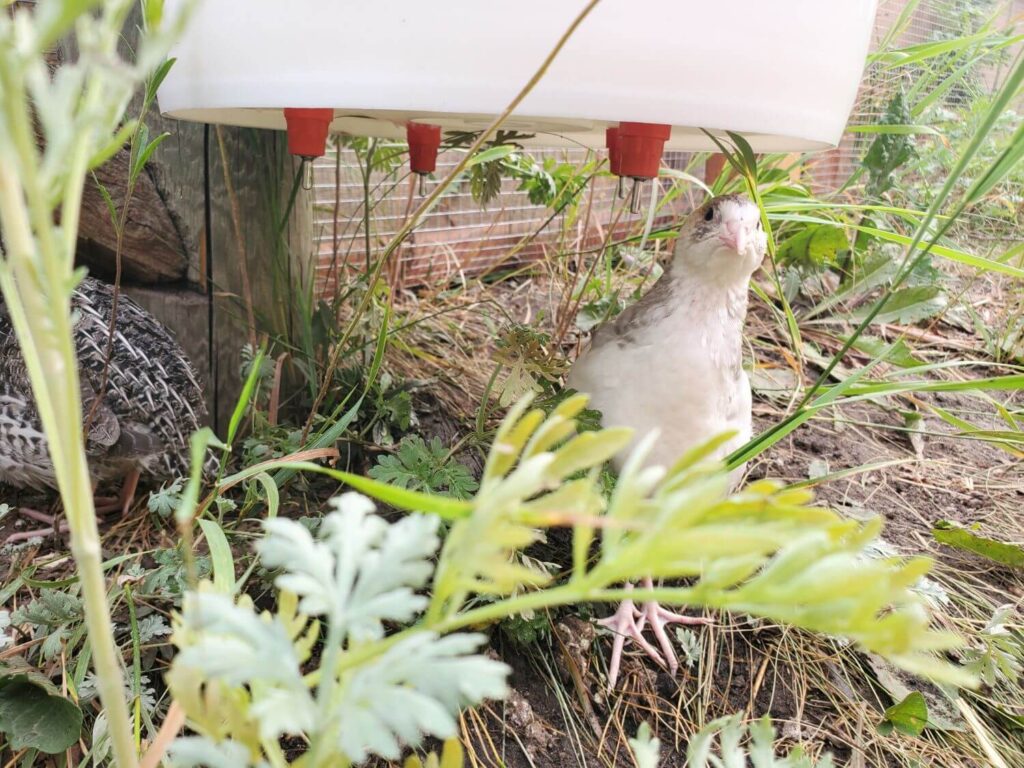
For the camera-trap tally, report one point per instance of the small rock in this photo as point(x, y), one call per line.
point(526, 723)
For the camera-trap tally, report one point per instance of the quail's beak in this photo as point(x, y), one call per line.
point(737, 234)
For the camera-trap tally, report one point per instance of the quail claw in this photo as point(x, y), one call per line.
point(627, 622)
point(50, 521)
point(659, 618)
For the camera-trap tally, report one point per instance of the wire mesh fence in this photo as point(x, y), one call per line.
point(461, 236)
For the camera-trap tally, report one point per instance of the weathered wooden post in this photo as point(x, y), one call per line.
point(196, 228)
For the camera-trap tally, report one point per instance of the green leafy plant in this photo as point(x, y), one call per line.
point(50, 618)
point(425, 466)
point(530, 365)
point(997, 655)
point(760, 752)
point(890, 149)
point(239, 675)
point(955, 535)
point(764, 551)
point(451, 757)
point(646, 747)
point(813, 248)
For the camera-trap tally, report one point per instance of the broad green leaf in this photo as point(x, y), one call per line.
point(954, 535)
point(33, 714)
point(897, 353)
point(412, 501)
point(589, 449)
point(402, 498)
point(906, 306)
point(490, 154)
point(156, 79)
point(152, 15)
point(272, 493)
point(746, 152)
point(145, 152)
point(814, 247)
point(909, 716)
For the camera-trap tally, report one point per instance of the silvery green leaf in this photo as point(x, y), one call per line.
point(234, 645)
point(731, 732)
point(361, 571)
point(100, 739)
point(309, 564)
point(387, 573)
point(152, 627)
point(195, 751)
point(415, 688)
point(645, 747)
point(5, 622)
point(54, 643)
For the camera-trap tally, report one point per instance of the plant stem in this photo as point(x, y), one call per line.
point(73, 481)
point(34, 282)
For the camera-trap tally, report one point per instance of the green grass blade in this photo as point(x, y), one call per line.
point(220, 556)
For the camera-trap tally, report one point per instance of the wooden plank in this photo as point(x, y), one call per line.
point(261, 173)
point(152, 248)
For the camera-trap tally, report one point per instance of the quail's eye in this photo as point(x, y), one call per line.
point(709, 214)
point(759, 227)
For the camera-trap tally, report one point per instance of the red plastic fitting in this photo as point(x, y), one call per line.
point(614, 144)
point(307, 130)
point(640, 148)
point(424, 140)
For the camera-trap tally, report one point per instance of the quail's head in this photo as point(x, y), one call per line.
point(723, 239)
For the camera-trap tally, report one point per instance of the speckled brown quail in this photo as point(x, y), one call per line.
point(151, 404)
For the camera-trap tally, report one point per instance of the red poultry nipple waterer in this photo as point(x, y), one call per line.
point(307, 137)
point(424, 140)
point(640, 148)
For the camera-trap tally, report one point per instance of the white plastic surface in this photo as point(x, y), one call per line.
point(782, 72)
